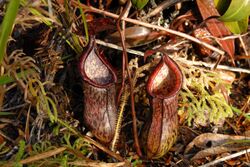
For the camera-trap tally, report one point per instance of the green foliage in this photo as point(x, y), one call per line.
point(235, 14)
point(43, 101)
point(20, 153)
point(236, 11)
point(6, 113)
point(139, 4)
point(41, 147)
point(3, 148)
point(237, 27)
point(7, 24)
point(5, 79)
point(239, 112)
point(76, 148)
point(84, 23)
point(74, 145)
point(22, 69)
point(37, 14)
point(137, 163)
point(202, 98)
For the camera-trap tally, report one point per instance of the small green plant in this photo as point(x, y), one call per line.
point(203, 97)
point(20, 153)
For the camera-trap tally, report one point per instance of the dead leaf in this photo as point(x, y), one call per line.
point(187, 134)
point(216, 27)
point(96, 164)
point(216, 144)
point(2, 140)
point(136, 36)
point(207, 8)
point(98, 25)
point(211, 140)
point(215, 151)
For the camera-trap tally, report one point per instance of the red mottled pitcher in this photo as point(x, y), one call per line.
point(163, 87)
point(100, 109)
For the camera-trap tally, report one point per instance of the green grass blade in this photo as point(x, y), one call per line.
point(84, 23)
point(7, 24)
point(6, 113)
point(5, 79)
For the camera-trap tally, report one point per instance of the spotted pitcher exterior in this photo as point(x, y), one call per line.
point(163, 87)
point(99, 78)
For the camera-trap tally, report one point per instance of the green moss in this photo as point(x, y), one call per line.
point(202, 99)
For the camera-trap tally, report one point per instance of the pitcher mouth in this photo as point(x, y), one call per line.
point(94, 67)
point(166, 79)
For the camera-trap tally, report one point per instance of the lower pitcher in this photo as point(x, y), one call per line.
point(163, 86)
point(100, 109)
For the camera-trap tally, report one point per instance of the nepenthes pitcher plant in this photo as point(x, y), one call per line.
point(100, 108)
point(99, 93)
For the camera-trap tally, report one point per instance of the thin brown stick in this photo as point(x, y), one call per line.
point(96, 163)
point(122, 33)
point(191, 38)
point(125, 64)
point(243, 45)
point(183, 60)
point(226, 158)
point(43, 155)
point(121, 102)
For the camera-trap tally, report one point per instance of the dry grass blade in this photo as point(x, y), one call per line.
point(226, 158)
point(43, 155)
point(97, 164)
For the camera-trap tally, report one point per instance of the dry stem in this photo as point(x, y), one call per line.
point(226, 158)
point(189, 62)
point(191, 38)
point(125, 65)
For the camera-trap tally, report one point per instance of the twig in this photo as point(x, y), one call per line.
point(14, 107)
point(43, 155)
point(209, 65)
point(120, 99)
point(95, 10)
point(123, 14)
point(50, 8)
point(96, 163)
point(196, 63)
point(114, 46)
point(226, 158)
point(6, 137)
point(243, 45)
point(227, 37)
point(125, 64)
